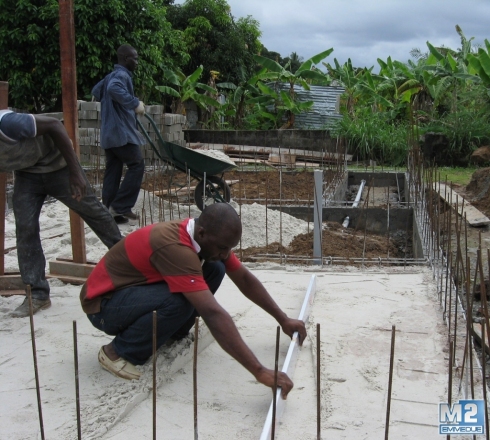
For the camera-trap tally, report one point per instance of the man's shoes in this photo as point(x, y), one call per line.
point(120, 368)
point(37, 304)
point(118, 218)
point(131, 215)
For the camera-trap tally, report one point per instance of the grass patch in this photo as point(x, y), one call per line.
point(457, 175)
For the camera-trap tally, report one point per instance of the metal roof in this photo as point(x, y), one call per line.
point(325, 108)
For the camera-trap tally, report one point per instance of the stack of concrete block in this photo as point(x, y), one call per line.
point(173, 128)
point(88, 132)
point(169, 125)
point(155, 112)
point(89, 114)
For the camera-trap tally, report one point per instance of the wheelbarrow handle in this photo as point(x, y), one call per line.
point(147, 136)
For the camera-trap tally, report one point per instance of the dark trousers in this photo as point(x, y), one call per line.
point(30, 191)
point(128, 315)
point(122, 196)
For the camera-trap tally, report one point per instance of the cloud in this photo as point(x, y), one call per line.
point(364, 30)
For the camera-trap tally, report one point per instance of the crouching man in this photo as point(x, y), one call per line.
point(175, 268)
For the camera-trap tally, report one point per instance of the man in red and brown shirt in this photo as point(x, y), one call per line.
point(175, 268)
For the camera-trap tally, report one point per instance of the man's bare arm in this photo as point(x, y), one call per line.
point(56, 130)
point(226, 334)
point(255, 291)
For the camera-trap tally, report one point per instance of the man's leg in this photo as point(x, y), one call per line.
point(213, 274)
point(129, 316)
point(112, 176)
point(28, 198)
point(89, 208)
point(128, 192)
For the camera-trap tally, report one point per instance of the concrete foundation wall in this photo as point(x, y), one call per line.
point(374, 220)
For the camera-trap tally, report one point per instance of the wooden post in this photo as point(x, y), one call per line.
point(4, 99)
point(70, 111)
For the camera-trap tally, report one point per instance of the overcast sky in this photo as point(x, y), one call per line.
point(364, 30)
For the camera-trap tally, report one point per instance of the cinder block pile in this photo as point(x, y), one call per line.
point(173, 128)
point(169, 125)
point(88, 131)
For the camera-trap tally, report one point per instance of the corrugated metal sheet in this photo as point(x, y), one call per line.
point(325, 109)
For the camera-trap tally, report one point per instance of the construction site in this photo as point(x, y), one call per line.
point(387, 268)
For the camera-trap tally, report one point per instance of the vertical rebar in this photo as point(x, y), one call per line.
point(469, 321)
point(484, 374)
point(34, 355)
point(390, 381)
point(274, 390)
point(77, 384)
point(280, 208)
point(450, 378)
point(154, 374)
point(194, 375)
point(318, 385)
point(266, 209)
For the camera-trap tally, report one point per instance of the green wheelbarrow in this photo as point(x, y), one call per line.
point(211, 188)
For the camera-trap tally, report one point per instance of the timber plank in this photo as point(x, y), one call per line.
point(474, 217)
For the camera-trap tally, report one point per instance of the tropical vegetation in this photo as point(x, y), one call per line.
point(198, 53)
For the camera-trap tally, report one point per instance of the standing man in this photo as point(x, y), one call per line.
point(119, 136)
point(175, 268)
point(40, 152)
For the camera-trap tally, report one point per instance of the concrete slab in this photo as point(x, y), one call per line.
point(355, 308)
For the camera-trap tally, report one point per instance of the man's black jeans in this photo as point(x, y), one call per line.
point(30, 191)
point(128, 315)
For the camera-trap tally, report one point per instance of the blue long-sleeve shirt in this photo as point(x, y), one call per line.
point(118, 119)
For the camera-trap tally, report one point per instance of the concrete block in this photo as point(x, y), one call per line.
point(87, 106)
point(88, 123)
point(172, 128)
point(88, 114)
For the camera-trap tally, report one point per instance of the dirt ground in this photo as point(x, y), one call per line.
point(290, 188)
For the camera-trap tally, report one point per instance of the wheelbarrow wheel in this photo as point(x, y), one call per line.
point(217, 190)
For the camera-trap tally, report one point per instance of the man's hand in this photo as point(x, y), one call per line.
point(266, 377)
point(140, 110)
point(289, 326)
point(77, 184)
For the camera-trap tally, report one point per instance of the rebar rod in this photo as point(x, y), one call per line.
point(390, 381)
point(77, 384)
point(154, 375)
point(484, 378)
point(34, 355)
point(194, 375)
point(318, 385)
point(274, 390)
point(450, 378)
point(469, 320)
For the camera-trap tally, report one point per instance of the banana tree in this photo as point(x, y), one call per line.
point(186, 89)
point(306, 73)
point(348, 76)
